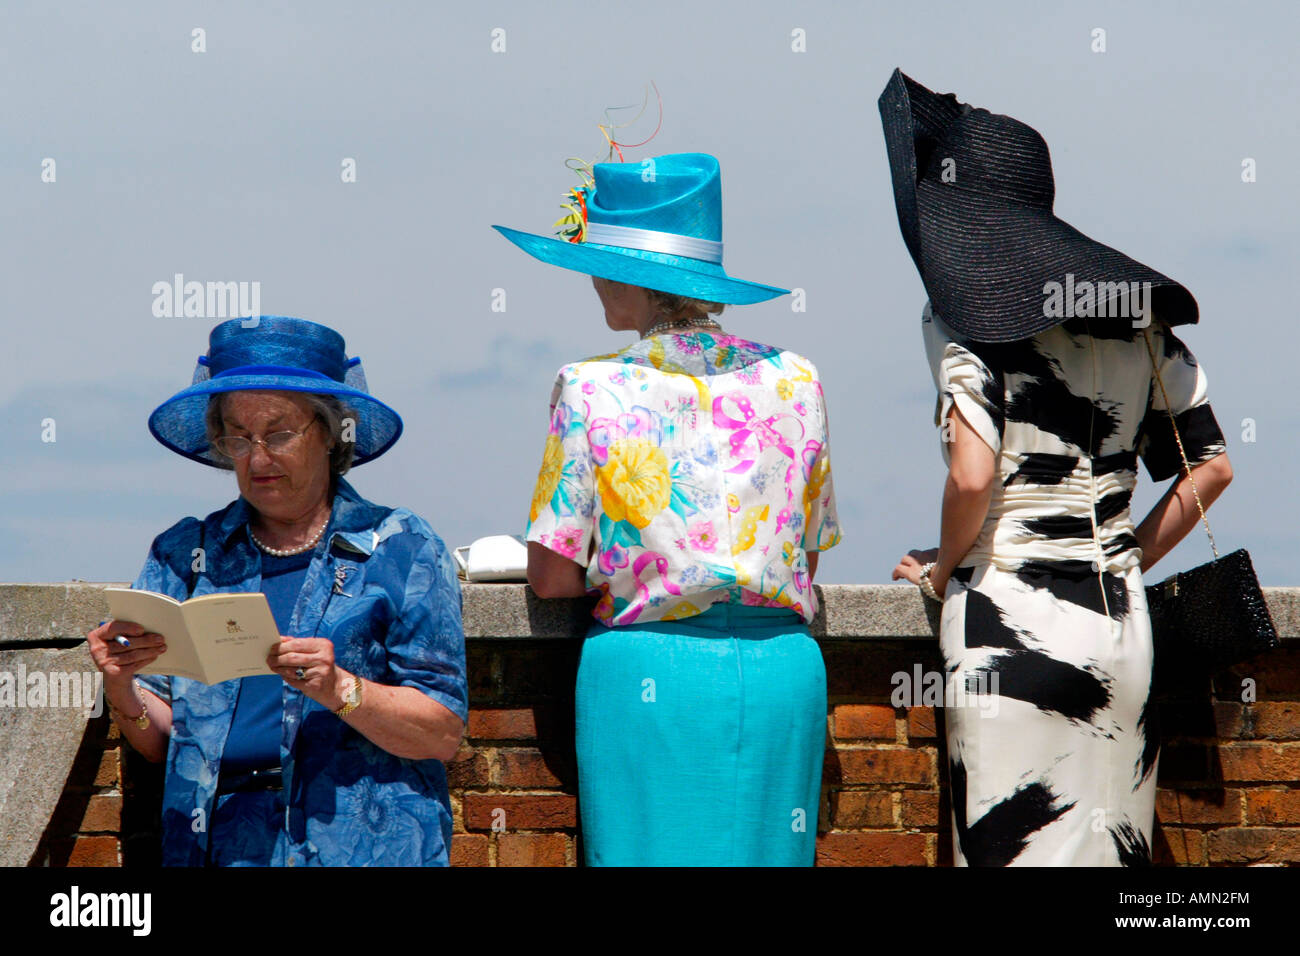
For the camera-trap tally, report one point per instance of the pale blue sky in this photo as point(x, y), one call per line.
point(225, 165)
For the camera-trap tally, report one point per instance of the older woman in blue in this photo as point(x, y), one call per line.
point(336, 757)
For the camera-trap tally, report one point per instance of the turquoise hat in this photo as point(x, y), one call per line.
point(655, 224)
point(275, 353)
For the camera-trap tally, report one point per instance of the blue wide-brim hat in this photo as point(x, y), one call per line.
point(275, 353)
point(655, 224)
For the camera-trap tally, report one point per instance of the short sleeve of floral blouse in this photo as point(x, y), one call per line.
point(686, 470)
point(821, 524)
point(563, 506)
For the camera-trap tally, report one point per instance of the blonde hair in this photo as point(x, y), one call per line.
point(677, 307)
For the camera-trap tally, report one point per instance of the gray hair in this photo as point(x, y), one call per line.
point(335, 415)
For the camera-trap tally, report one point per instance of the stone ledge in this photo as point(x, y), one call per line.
point(36, 613)
point(42, 627)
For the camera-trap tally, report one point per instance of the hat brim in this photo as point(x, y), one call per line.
point(965, 247)
point(178, 423)
point(679, 275)
point(912, 117)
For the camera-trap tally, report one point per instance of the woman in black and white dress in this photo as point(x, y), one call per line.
point(1044, 633)
point(1045, 406)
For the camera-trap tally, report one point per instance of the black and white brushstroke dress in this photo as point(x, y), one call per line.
point(1044, 633)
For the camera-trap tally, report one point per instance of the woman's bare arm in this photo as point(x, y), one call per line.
point(972, 469)
point(966, 495)
point(553, 575)
point(1175, 514)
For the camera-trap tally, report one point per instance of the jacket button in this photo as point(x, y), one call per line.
point(292, 861)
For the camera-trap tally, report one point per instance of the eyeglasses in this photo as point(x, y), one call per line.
point(276, 443)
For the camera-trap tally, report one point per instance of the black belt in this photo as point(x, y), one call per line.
point(268, 779)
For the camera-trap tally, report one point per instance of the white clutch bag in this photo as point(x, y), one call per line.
point(498, 557)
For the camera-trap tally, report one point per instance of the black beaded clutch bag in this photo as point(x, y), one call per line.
point(1212, 616)
point(1208, 618)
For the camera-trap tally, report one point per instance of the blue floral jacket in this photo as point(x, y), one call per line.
point(383, 588)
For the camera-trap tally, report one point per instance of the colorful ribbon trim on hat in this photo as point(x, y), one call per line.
point(573, 227)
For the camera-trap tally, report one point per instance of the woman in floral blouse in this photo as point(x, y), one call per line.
point(686, 481)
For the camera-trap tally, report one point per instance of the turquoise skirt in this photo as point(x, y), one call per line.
point(700, 741)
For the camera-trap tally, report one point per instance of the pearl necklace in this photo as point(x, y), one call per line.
point(668, 325)
point(289, 552)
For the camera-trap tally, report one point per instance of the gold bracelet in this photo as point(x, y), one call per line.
point(143, 720)
point(353, 699)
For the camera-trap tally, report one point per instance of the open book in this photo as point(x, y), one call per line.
point(211, 638)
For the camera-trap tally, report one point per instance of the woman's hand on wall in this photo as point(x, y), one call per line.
point(909, 568)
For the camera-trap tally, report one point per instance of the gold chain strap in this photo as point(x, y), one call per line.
point(1186, 464)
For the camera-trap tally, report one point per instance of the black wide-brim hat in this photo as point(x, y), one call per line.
point(974, 193)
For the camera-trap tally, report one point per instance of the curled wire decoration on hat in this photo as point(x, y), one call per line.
point(573, 225)
point(617, 147)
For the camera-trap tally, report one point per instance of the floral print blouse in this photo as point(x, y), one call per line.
point(685, 470)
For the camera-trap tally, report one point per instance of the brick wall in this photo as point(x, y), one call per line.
point(1229, 772)
point(86, 827)
point(108, 812)
point(517, 768)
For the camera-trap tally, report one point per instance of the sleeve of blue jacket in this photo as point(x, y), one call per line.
point(426, 643)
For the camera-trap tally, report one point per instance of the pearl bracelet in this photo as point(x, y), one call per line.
point(924, 583)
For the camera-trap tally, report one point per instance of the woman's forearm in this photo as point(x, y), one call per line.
point(1175, 514)
point(406, 722)
point(151, 742)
